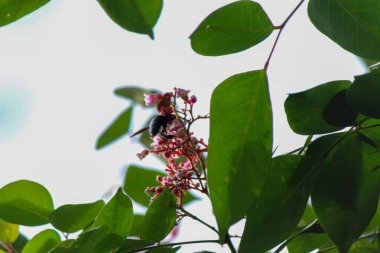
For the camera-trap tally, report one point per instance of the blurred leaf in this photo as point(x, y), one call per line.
point(363, 95)
point(137, 16)
point(240, 146)
point(136, 225)
point(42, 242)
point(160, 218)
point(72, 218)
point(12, 10)
point(232, 28)
point(134, 93)
point(132, 245)
point(285, 194)
point(137, 179)
point(26, 203)
point(117, 215)
point(353, 24)
point(345, 196)
point(117, 129)
point(306, 110)
point(8, 232)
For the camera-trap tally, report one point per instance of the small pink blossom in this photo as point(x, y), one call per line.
point(152, 98)
point(182, 93)
point(187, 165)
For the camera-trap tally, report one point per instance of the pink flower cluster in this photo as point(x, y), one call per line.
point(184, 153)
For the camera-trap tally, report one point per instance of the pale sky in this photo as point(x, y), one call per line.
point(60, 65)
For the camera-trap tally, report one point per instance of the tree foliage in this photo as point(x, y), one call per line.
point(322, 196)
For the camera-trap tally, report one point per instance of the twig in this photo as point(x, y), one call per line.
point(193, 147)
point(197, 219)
point(173, 244)
point(281, 28)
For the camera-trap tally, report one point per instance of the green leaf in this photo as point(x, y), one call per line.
point(363, 95)
point(345, 196)
point(8, 232)
point(373, 130)
point(133, 245)
point(375, 222)
point(26, 203)
point(136, 225)
point(308, 243)
point(353, 24)
point(232, 28)
point(12, 10)
point(338, 113)
point(42, 242)
point(160, 218)
point(240, 147)
point(72, 218)
point(138, 178)
point(306, 110)
point(137, 16)
point(308, 217)
point(91, 241)
point(285, 195)
point(134, 93)
point(116, 130)
point(117, 215)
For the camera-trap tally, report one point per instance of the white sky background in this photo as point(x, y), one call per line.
point(60, 65)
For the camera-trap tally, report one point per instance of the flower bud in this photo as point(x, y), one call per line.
point(143, 154)
point(193, 99)
point(159, 189)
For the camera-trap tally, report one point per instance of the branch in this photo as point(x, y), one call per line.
point(199, 220)
point(281, 28)
point(174, 244)
point(228, 237)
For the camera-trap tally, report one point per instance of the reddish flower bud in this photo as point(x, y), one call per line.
point(143, 154)
point(159, 179)
point(159, 189)
point(180, 185)
point(193, 99)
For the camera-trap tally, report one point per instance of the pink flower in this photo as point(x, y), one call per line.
point(181, 93)
point(152, 98)
point(187, 165)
